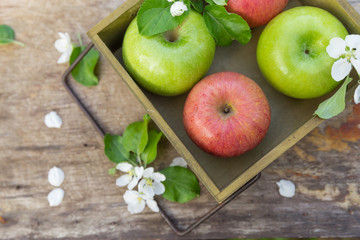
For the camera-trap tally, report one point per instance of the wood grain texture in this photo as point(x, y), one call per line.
point(324, 165)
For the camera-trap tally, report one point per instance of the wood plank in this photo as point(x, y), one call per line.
point(324, 165)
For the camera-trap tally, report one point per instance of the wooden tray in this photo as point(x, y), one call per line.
point(291, 119)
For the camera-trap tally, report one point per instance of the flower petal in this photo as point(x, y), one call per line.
point(336, 47)
point(178, 161)
point(55, 197)
point(136, 207)
point(64, 58)
point(152, 204)
point(159, 188)
point(340, 69)
point(353, 41)
point(53, 120)
point(62, 35)
point(356, 64)
point(134, 181)
point(124, 167)
point(357, 95)
point(139, 171)
point(178, 8)
point(60, 45)
point(148, 191)
point(56, 176)
point(158, 177)
point(130, 196)
point(148, 172)
point(141, 185)
point(123, 180)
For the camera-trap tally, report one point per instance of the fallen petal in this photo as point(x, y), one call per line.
point(286, 188)
point(178, 161)
point(52, 120)
point(56, 176)
point(55, 197)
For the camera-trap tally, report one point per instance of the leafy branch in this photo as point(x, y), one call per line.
point(155, 17)
point(138, 147)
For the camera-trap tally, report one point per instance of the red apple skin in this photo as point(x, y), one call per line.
point(256, 12)
point(226, 134)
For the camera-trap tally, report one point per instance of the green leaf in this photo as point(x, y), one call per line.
point(225, 27)
point(154, 17)
point(114, 149)
point(211, 2)
point(83, 73)
point(150, 151)
point(112, 171)
point(181, 184)
point(220, 2)
point(198, 5)
point(7, 35)
point(334, 105)
point(135, 136)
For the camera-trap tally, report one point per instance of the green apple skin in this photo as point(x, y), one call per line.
point(292, 55)
point(169, 68)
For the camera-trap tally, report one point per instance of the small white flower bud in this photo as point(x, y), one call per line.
point(55, 197)
point(286, 188)
point(52, 120)
point(178, 8)
point(56, 176)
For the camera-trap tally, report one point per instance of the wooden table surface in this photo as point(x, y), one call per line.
point(324, 165)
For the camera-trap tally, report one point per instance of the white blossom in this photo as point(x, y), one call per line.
point(56, 176)
point(55, 197)
point(347, 53)
point(178, 8)
point(178, 161)
point(286, 188)
point(64, 46)
point(136, 201)
point(151, 182)
point(132, 177)
point(52, 120)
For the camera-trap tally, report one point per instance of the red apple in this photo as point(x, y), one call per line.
point(226, 114)
point(256, 12)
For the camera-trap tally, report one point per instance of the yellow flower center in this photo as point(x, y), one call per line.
point(149, 181)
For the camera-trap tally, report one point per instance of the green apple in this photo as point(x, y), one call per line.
point(169, 63)
point(292, 55)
